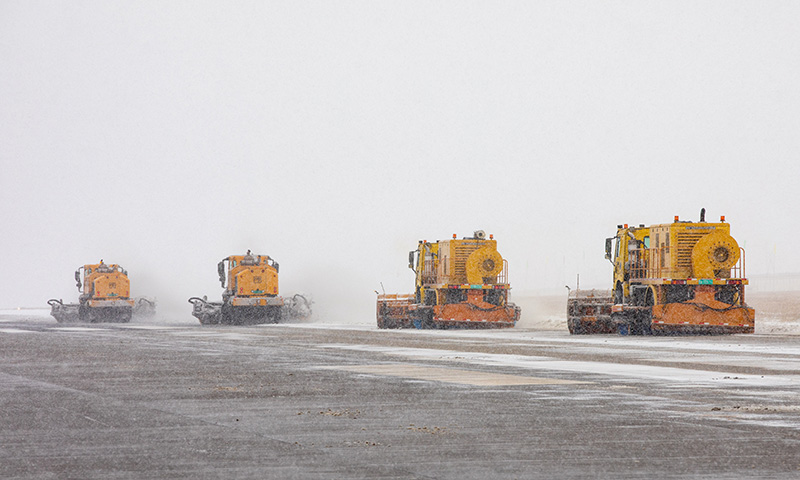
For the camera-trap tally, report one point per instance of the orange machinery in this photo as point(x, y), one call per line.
point(679, 277)
point(459, 283)
point(105, 296)
point(251, 294)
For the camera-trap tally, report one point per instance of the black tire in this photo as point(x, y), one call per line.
point(574, 326)
point(382, 317)
point(226, 315)
point(423, 319)
point(644, 318)
point(83, 314)
point(619, 297)
point(427, 320)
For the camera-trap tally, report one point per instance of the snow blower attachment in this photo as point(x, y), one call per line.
point(589, 311)
point(675, 278)
point(459, 283)
point(105, 296)
point(250, 296)
point(144, 307)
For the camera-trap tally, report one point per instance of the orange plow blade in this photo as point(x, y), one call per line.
point(703, 315)
point(470, 315)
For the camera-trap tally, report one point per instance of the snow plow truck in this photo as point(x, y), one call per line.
point(250, 296)
point(105, 296)
point(675, 278)
point(459, 284)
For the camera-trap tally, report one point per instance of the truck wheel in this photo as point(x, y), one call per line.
point(384, 323)
point(575, 326)
point(619, 297)
point(644, 319)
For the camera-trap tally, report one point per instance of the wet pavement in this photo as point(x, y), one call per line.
point(161, 400)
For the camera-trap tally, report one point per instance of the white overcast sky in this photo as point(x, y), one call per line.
point(332, 135)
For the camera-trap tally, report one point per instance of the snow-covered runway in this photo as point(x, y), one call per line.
point(351, 401)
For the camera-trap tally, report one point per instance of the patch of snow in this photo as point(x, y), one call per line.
point(677, 376)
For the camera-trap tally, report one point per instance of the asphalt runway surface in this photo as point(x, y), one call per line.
point(160, 400)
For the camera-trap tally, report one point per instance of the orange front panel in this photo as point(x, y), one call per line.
point(256, 280)
point(111, 285)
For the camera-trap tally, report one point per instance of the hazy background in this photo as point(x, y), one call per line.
point(333, 136)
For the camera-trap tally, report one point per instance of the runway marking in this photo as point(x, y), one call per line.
point(15, 330)
point(216, 334)
point(630, 342)
point(450, 375)
point(75, 329)
point(150, 327)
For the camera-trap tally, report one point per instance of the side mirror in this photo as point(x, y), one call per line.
point(78, 279)
point(411, 259)
point(608, 248)
point(221, 272)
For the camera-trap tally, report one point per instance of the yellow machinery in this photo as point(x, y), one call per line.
point(680, 277)
point(251, 294)
point(459, 283)
point(105, 296)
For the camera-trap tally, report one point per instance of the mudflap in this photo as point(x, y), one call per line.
point(694, 318)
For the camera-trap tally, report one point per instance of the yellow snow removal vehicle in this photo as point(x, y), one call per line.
point(105, 296)
point(250, 296)
point(459, 283)
point(675, 278)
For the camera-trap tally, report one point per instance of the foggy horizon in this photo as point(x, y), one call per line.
point(333, 136)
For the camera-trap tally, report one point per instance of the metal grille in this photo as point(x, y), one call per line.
point(429, 272)
point(462, 252)
point(644, 264)
point(686, 242)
